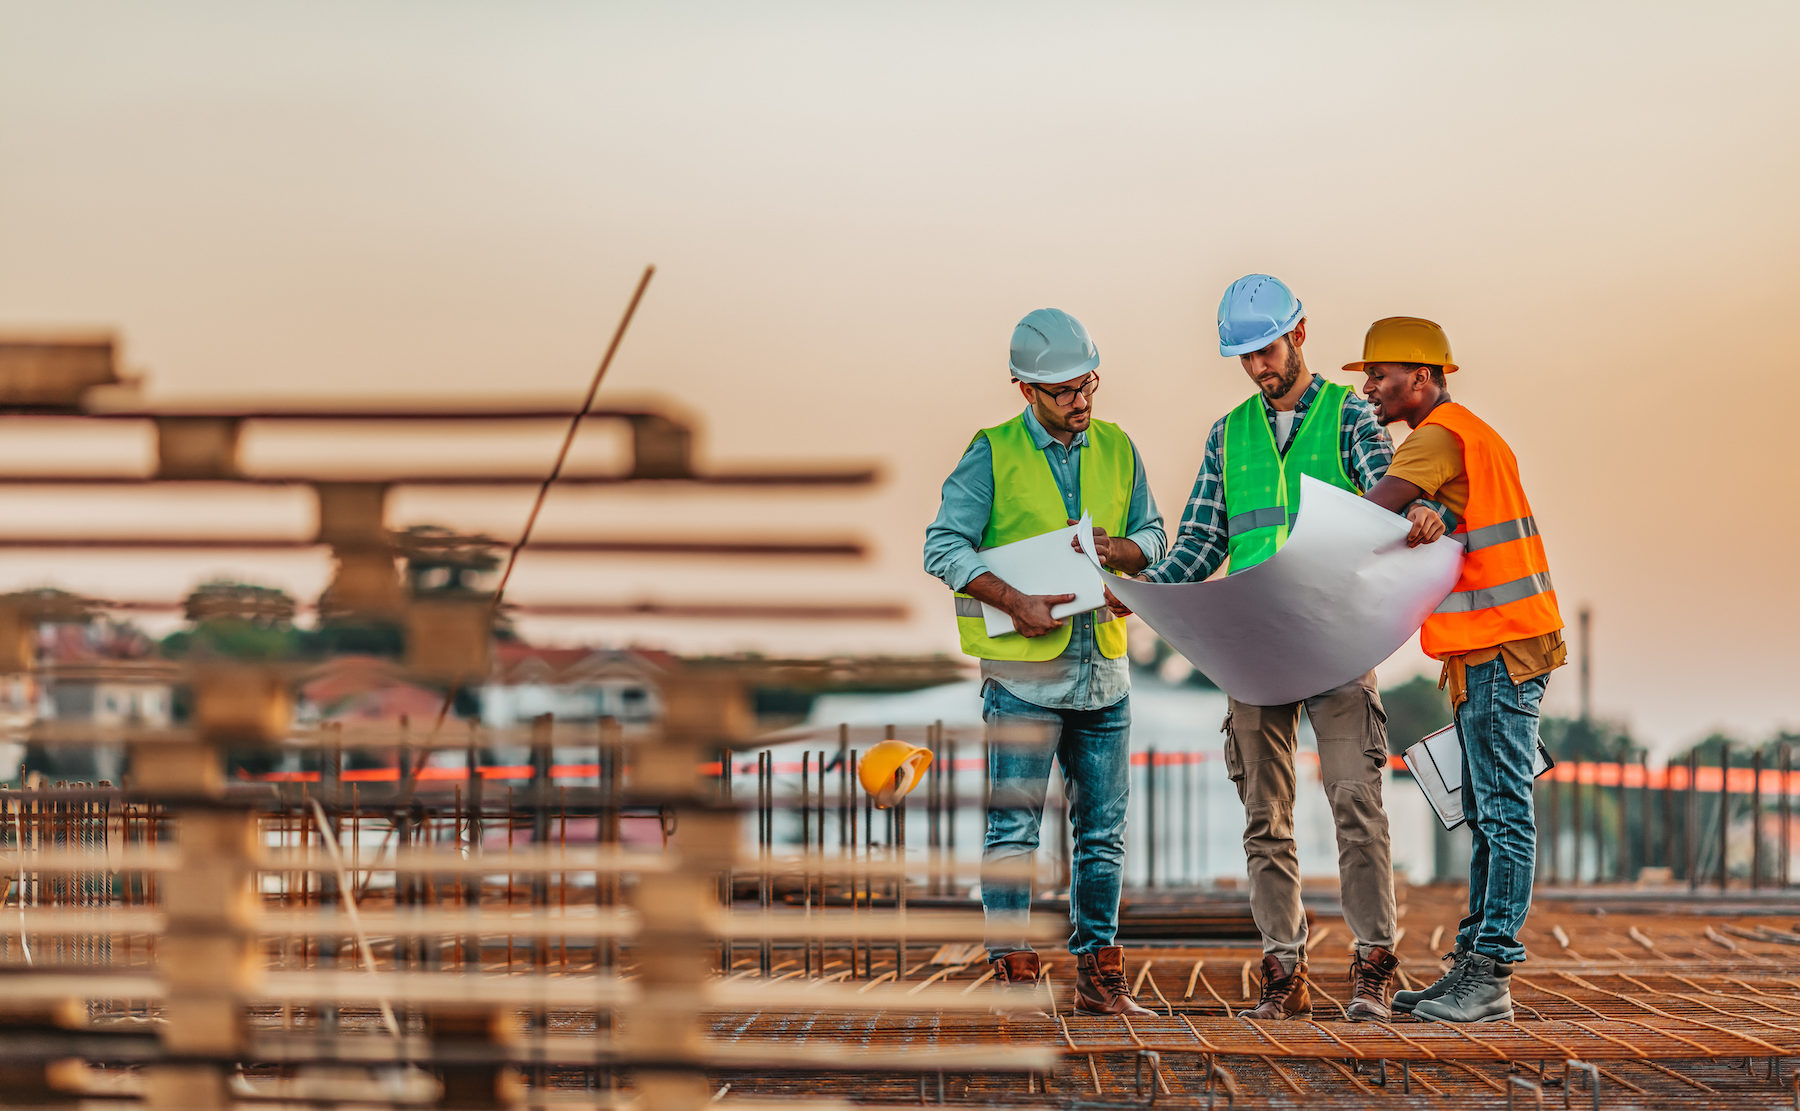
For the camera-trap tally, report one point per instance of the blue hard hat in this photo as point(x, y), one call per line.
point(1255, 311)
point(1050, 346)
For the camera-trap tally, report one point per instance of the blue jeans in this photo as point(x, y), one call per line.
point(1497, 727)
point(1093, 747)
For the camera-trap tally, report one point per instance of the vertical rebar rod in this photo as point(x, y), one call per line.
point(1756, 813)
point(934, 799)
point(1553, 830)
point(727, 891)
point(1647, 825)
point(1575, 824)
point(899, 854)
point(952, 805)
point(868, 820)
point(1149, 819)
point(1787, 813)
point(765, 884)
point(1667, 842)
point(1187, 818)
point(1600, 846)
point(1724, 815)
point(806, 836)
point(1691, 825)
point(847, 830)
point(1626, 845)
point(820, 834)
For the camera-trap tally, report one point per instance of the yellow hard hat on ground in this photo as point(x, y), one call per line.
point(1405, 339)
point(891, 769)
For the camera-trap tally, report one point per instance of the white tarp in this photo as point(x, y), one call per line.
point(1342, 595)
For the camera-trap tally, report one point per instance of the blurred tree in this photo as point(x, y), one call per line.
point(238, 621)
point(1415, 709)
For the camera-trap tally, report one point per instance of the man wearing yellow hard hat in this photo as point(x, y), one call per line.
point(1499, 635)
point(1245, 498)
point(1068, 678)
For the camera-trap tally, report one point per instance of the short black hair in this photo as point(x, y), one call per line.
point(1437, 374)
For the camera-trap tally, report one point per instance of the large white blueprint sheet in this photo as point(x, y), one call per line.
point(1342, 595)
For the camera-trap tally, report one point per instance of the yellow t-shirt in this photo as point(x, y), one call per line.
point(1431, 458)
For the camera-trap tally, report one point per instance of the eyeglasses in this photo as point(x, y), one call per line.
point(1065, 398)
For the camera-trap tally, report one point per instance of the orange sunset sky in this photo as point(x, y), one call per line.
point(850, 205)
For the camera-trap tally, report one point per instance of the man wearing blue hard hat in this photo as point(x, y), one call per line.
point(1065, 681)
point(1244, 501)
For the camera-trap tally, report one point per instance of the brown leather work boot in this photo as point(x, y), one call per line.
point(1370, 975)
point(1283, 995)
point(1021, 967)
point(1101, 987)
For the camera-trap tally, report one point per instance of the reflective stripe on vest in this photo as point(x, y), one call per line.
point(1476, 539)
point(1262, 485)
point(1490, 597)
point(1504, 592)
point(1258, 518)
point(1029, 502)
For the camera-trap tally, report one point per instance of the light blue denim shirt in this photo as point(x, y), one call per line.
point(1081, 678)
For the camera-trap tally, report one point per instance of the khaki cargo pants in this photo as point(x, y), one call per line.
point(1259, 755)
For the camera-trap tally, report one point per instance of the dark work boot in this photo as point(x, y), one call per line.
point(1483, 993)
point(1370, 974)
point(1405, 1001)
point(1020, 967)
point(1101, 987)
point(1284, 994)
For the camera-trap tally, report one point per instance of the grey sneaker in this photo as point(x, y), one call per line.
point(1483, 993)
point(1405, 1001)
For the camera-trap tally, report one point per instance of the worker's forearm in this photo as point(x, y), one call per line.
point(988, 587)
point(1126, 557)
point(1394, 494)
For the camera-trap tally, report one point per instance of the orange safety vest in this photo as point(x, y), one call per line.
point(1504, 593)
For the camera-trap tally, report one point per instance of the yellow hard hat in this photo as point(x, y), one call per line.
point(891, 769)
point(1404, 339)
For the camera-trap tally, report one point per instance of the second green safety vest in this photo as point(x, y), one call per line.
point(1027, 503)
point(1262, 486)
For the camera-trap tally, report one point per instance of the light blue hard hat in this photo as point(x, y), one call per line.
point(1050, 346)
point(1255, 311)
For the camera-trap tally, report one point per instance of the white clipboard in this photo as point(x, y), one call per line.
point(1436, 764)
point(1047, 564)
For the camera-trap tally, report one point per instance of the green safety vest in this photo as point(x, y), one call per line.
point(1262, 486)
point(1027, 503)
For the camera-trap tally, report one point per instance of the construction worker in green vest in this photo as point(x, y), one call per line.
point(1245, 499)
point(1062, 681)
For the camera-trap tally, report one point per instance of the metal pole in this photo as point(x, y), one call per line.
point(1756, 847)
point(1787, 812)
point(1626, 844)
point(1691, 827)
point(1187, 817)
point(1724, 815)
point(1553, 819)
point(1150, 818)
point(899, 853)
point(1648, 827)
point(1575, 824)
point(1668, 818)
point(951, 803)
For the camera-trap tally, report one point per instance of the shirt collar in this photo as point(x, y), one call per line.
point(1306, 398)
point(1041, 437)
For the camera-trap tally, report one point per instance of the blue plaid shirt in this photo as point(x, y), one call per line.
point(1201, 543)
